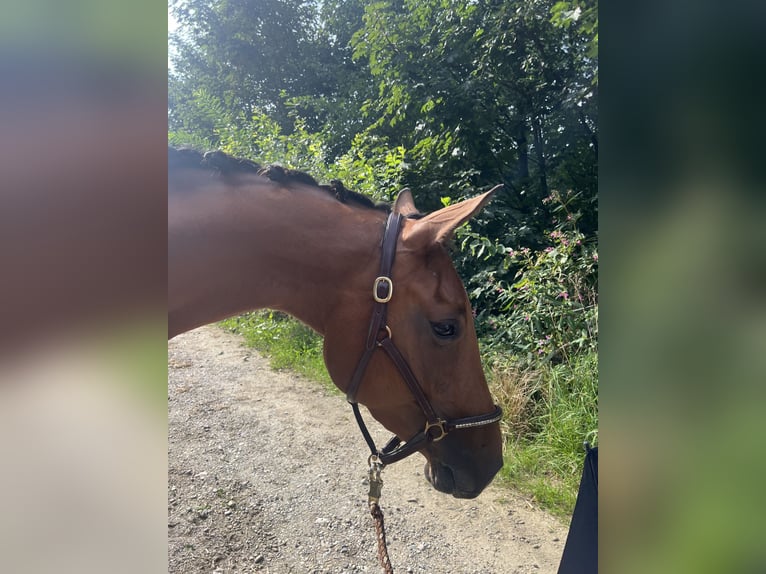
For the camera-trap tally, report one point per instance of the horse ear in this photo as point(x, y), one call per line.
point(404, 203)
point(439, 226)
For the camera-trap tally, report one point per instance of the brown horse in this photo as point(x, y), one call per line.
point(238, 241)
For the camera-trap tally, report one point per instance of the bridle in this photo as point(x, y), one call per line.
point(436, 428)
point(379, 336)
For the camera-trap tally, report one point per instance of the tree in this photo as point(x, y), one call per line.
point(481, 93)
point(285, 58)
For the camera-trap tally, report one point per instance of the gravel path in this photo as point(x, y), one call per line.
point(266, 473)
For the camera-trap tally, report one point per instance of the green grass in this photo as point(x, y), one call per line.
point(549, 410)
point(285, 341)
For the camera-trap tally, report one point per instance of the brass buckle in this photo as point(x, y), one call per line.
point(390, 336)
point(438, 424)
point(378, 281)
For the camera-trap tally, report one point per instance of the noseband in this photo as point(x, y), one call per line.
point(379, 336)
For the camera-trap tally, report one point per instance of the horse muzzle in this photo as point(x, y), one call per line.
point(455, 468)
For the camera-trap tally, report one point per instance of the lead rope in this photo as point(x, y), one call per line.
point(380, 530)
point(376, 485)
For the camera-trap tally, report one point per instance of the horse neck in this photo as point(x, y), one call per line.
point(295, 250)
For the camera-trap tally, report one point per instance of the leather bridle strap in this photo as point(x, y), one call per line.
point(379, 336)
point(383, 290)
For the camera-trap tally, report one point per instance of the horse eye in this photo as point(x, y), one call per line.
point(444, 330)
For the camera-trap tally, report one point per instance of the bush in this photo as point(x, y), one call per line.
point(537, 305)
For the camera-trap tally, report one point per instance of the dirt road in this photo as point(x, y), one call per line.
point(267, 471)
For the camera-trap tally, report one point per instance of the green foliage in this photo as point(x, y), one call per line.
point(288, 58)
point(186, 139)
point(481, 94)
point(539, 305)
point(372, 167)
point(582, 14)
point(262, 139)
point(551, 309)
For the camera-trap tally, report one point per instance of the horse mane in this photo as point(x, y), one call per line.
point(220, 164)
point(214, 161)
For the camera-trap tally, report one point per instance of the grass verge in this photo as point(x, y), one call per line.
point(549, 411)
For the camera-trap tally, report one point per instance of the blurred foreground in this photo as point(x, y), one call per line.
point(683, 291)
point(82, 288)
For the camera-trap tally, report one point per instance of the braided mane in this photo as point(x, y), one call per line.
point(224, 165)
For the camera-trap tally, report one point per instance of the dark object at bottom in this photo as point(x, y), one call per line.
point(581, 549)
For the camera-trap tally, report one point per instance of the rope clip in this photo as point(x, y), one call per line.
point(376, 482)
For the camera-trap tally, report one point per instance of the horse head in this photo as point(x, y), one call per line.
point(429, 321)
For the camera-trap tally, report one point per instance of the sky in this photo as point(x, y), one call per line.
point(172, 25)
